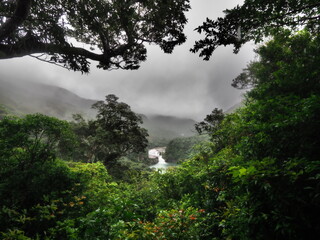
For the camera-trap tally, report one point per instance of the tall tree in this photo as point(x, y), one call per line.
point(114, 31)
point(254, 20)
point(211, 123)
point(115, 132)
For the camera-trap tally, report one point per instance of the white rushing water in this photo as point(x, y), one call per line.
point(161, 160)
point(162, 164)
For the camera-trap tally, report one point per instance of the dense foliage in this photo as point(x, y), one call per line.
point(254, 20)
point(115, 32)
point(257, 177)
point(211, 122)
point(275, 166)
point(180, 149)
point(114, 133)
point(3, 111)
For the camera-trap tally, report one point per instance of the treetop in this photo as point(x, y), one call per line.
point(113, 33)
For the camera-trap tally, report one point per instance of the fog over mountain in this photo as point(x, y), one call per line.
point(179, 84)
point(23, 97)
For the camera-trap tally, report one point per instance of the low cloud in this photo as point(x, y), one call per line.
point(179, 84)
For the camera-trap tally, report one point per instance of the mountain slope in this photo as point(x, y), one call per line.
point(21, 98)
point(29, 97)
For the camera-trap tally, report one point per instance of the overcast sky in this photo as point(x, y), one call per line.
point(178, 84)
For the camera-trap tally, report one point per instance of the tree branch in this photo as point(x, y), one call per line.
point(47, 61)
point(21, 49)
point(29, 46)
point(20, 14)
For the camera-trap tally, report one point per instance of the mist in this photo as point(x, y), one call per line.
point(179, 84)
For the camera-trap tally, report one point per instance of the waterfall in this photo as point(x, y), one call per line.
point(157, 153)
point(161, 160)
point(162, 165)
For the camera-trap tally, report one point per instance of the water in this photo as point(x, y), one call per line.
point(162, 164)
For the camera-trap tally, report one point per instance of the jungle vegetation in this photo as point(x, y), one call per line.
point(257, 177)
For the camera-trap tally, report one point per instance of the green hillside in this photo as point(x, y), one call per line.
point(20, 98)
point(29, 97)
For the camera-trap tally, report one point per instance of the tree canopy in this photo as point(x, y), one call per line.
point(114, 31)
point(254, 20)
point(29, 145)
point(211, 123)
point(115, 132)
